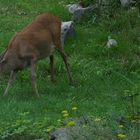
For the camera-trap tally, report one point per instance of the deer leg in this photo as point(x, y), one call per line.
point(11, 79)
point(64, 56)
point(52, 68)
point(33, 77)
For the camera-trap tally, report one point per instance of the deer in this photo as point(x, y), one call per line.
point(35, 42)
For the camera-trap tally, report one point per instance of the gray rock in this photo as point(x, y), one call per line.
point(67, 30)
point(78, 11)
point(111, 42)
point(126, 3)
point(70, 133)
point(60, 134)
point(85, 129)
point(81, 12)
point(73, 7)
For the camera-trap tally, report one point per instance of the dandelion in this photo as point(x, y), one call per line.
point(65, 115)
point(64, 112)
point(97, 120)
point(121, 136)
point(121, 126)
point(74, 108)
point(71, 123)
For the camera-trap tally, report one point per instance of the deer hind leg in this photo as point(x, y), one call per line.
point(33, 77)
point(52, 68)
point(11, 80)
point(60, 49)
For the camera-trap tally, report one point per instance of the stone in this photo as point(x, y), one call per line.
point(81, 12)
point(73, 7)
point(126, 3)
point(61, 134)
point(70, 133)
point(111, 42)
point(78, 11)
point(67, 30)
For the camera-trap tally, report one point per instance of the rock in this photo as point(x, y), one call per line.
point(78, 11)
point(111, 42)
point(67, 30)
point(73, 7)
point(81, 12)
point(68, 133)
point(85, 129)
point(61, 134)
point(71, 132)
point(126, 3)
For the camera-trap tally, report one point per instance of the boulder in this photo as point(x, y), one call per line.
point(78, 11)
point(66, 133)
point(111, 42)
point(81, 12)
point(60, 134)
point(126, 3)
point(73, 7)
point(67, 30)
point(71, 132)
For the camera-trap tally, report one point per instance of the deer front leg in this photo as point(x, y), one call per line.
point(33, 77)
point(60, 49)
point(11, 79)
point(64, 56)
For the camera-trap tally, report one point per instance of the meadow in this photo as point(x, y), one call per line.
point(107, 80)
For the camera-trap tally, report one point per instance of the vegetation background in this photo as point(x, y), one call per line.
point(108, 88)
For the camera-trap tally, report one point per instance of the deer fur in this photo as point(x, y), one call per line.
point(36, 41)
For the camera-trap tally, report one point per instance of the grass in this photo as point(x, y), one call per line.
point(102, 74)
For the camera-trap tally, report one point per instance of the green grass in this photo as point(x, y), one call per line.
point(102, 74)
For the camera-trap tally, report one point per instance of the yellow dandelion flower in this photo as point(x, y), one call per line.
point(64, 112)
point(49, 130)
point(74, 108)
point(121, 136)
point(97, 119)
point(65, 115)
point(71, 123)
point(121, 126)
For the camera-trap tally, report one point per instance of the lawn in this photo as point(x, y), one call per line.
point(102, 75)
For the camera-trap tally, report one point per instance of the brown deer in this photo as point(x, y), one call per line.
point(36, 41)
